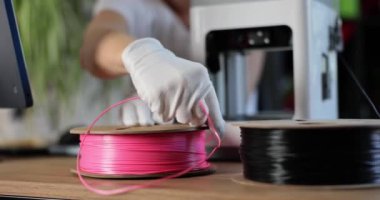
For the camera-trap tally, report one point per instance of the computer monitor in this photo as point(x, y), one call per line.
point(14, 84)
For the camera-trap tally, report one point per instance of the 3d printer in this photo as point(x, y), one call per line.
point(307, 31)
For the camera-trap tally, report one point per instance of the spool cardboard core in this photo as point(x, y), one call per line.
point(312, 124)
point(200, 172)
point(116, 130)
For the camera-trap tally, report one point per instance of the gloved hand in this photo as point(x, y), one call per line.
point(137, 113)
point(171, 86)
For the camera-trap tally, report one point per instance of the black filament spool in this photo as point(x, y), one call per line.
point(318, 156)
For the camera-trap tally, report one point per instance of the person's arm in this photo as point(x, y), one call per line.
point(172, 87)
point(103, 43)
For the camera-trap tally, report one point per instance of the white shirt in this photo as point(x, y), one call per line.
point(151, 18)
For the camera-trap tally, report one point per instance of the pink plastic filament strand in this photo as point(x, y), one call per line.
point(142, 154)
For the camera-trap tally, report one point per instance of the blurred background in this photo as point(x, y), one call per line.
point(361, 30)
point(66, 96)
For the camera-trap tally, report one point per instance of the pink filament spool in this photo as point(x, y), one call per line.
point(192, 142)
point(143, 155)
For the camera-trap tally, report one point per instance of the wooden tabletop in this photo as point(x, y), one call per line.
point(51, 178)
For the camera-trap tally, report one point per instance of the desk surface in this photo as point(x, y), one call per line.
point(51, 177)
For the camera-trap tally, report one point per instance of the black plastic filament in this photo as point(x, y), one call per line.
point(324, 156)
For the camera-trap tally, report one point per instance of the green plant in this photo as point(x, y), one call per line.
point(51, 32)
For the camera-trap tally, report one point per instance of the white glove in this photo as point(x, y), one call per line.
point(137, 113)
point(171, 86)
